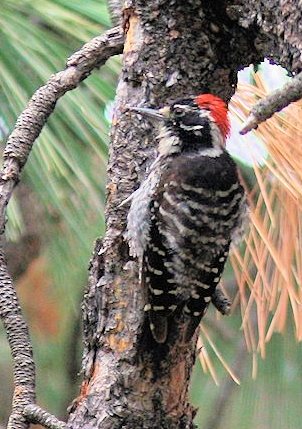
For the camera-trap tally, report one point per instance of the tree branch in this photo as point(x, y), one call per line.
point(37, 415)
point(128, 381)
point(20, 345)
point(30, 123)
point(274, 102)
point(28, 127)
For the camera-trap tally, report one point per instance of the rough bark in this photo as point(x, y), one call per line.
point(35, 414)
point(21, 349)
point(173, 48)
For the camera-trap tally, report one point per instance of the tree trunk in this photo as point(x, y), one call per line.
point(173, 48)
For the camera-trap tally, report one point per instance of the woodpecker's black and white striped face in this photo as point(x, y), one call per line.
point(187, 128)
point(194, 126)
point(191, 125)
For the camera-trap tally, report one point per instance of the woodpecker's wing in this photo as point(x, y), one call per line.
point(180, 225)
point(196, 209)
point(157, 279)
point(146, 243)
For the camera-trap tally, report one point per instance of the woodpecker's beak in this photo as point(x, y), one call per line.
point(161, 114)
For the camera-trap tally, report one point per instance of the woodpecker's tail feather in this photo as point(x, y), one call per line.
point(194, 318)
point(158, 327)
point(193, 324)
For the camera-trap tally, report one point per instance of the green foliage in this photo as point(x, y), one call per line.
point(35, 39)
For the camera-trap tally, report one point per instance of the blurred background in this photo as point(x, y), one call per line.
point(249, 370)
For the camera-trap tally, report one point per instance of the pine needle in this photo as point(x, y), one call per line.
point(269, 272)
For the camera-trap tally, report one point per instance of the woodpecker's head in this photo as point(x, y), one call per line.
point(191, 125)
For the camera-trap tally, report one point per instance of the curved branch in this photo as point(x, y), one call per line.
point(20, 345)
point(274, 102)
point(37, 415)
point(30, 123)
point(28, 127)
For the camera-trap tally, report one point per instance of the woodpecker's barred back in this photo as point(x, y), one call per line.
point(187, 212)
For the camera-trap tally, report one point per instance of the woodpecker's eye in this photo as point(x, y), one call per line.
point(178, 111)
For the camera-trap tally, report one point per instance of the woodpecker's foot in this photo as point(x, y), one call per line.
point(221, 301)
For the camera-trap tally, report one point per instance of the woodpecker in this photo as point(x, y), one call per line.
point(186, 213)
